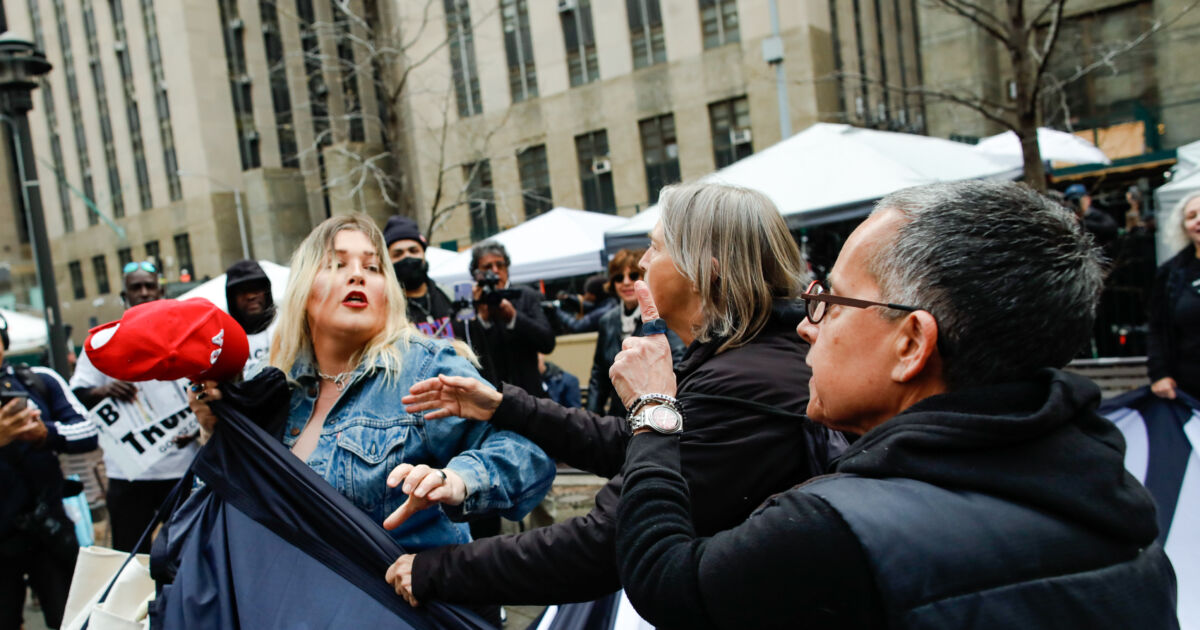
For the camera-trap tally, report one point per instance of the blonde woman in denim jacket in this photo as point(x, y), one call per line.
point(350, 355)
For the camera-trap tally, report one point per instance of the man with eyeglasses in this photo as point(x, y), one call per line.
point(133, 501)
point(510, 327)
point(984, 491)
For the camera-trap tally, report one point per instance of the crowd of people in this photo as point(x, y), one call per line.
point(893, 445)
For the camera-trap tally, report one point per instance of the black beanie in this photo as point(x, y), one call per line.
point(400, 228)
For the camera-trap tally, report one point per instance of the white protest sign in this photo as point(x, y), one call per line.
point(138, 434)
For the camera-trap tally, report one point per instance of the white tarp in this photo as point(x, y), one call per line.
point(214, 290)
point(560, 243)
point(26, 333)
point(830, 166)
point(1054, 145)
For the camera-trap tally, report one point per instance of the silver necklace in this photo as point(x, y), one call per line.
point(338, 379)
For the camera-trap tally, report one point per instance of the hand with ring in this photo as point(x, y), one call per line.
point(424, 486)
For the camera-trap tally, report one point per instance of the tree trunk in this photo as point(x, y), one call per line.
point(1025, 84)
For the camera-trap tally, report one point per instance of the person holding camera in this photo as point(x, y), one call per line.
point(510, 327)
point(39, 418)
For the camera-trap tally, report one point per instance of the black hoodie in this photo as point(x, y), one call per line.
point(1000, 506)
point(239, 275)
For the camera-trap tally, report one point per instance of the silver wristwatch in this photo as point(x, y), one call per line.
point(664, 417)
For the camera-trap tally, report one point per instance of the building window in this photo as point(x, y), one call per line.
point(165, 130)
point(480, 200)
point(730, 130)
point(233, 29)
point(582, 64)
point(116, 191)
point(64, 194)
point(595, 172)
point(646, 32)
point(124, 257)
point(281, 97)
point(100, 268)
point(718, 22)
point(522, 77)
point(152, 254)
point(81, 150)
point(76, 269)
point(133, 119)
point(535, 180)
point(352, 105)
point(183, 254)
point(660, 151)
point(318, 92)
point(462, 57)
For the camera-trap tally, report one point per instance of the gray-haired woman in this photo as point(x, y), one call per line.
point(1173, 348)
point(723, 271)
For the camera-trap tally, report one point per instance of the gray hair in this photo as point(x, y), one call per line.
point(487, 248)
point(733, 246)
point(1009, 275)
point(1173, 235)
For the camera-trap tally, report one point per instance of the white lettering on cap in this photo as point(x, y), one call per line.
point(102, 337)
point(220, 338)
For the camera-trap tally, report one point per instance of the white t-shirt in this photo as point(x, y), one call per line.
point(171, 466)
point(260, 348)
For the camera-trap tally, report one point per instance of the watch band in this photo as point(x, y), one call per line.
point(642, 400)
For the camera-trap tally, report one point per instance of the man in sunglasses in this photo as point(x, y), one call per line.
point(984, 491)
point(133, 501)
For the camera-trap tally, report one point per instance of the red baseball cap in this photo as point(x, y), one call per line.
point(166, 340)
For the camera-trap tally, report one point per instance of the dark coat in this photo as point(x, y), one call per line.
point(1004, 506)
point(736, 453)
point(602, 398)
point(510, 356)
point(1162, 343)
point(29, 471)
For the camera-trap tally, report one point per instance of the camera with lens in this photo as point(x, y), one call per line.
point(489, 291)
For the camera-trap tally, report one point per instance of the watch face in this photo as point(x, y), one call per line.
point(664, 419)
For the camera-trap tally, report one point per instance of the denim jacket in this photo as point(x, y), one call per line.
point(367, 433)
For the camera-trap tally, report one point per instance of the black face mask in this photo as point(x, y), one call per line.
point(411, 272)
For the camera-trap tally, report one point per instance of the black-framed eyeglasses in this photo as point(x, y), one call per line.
point(816, 296)
point(145, 265)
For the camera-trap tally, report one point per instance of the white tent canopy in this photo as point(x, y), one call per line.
point(830, 172)
point(1185, 181)
point(26, 333)
point(1055, 146)
point(560, 243)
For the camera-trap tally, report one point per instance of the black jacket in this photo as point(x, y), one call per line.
point(27, 470)
point(1162, 344)
point(510, 356)
point(997, 507)
point(735, 454)
point(602, 398)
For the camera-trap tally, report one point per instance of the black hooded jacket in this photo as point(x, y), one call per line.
point(997, 507)
point(240, 275)
point(744, 439)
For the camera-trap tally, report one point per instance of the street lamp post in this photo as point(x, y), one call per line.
point(20, 65)
point(237, 201)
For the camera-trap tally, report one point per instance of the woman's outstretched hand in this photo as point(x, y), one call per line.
point(424, 487)
point(453, 396)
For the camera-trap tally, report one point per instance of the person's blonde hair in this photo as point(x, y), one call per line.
point(1173, 234)
point(293, 337)
point(734, 247)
